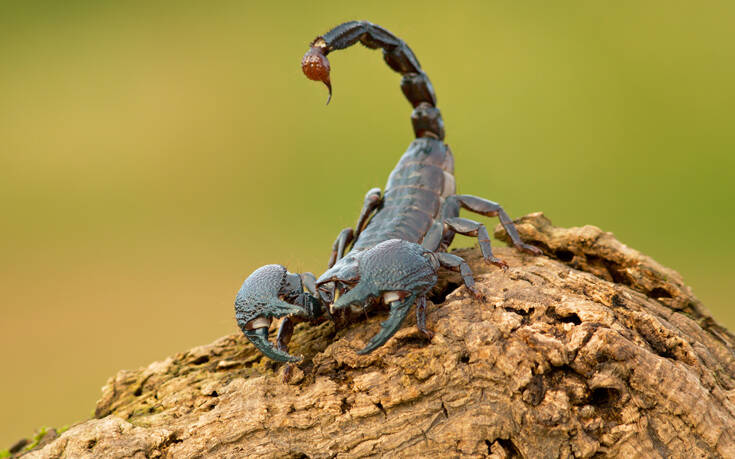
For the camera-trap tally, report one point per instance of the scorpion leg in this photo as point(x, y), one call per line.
point(372, 201)
point(456, 263)
point(472, 228)
point(421, 317)
point(492, 209)
point(340, 244)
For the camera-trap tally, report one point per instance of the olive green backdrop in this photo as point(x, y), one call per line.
point(152, 156)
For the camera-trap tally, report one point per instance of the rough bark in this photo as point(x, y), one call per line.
point(592, 349)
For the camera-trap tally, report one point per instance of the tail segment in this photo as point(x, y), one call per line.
point(426, 118)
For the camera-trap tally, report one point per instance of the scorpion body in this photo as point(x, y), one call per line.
point(400, 240)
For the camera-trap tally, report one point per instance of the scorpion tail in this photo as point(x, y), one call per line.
point(426, 118)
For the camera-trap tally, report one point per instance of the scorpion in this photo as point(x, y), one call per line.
point(401, 238)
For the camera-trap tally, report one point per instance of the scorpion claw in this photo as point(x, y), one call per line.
point(259, 301)
point(398, 312)
point(259, 338)
point(394, 271)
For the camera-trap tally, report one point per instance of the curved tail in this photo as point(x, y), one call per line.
point(426, 118)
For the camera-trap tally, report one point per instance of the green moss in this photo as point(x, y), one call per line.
point(37, 438)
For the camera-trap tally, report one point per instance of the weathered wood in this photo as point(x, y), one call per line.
point(593, 349)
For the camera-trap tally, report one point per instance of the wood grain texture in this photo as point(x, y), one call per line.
point(592, 349)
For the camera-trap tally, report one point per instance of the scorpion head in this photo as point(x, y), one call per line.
point(340, 279)
point(396, 272)
point(271, 291)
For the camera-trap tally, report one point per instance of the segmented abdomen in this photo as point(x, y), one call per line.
point(413, 196)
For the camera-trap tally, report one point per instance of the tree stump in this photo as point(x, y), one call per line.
point(590, 350)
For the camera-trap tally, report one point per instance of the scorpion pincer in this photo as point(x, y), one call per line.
point(401, 236)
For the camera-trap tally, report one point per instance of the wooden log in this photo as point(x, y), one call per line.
point(591, 350)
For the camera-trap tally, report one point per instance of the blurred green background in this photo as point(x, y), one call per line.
point(153, 154)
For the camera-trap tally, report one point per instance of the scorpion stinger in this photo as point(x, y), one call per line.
point(260, 300)
point(315, 64)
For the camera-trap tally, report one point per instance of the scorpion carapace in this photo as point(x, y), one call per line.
point(400, 240)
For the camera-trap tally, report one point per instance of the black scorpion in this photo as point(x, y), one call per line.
point(401, 236)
